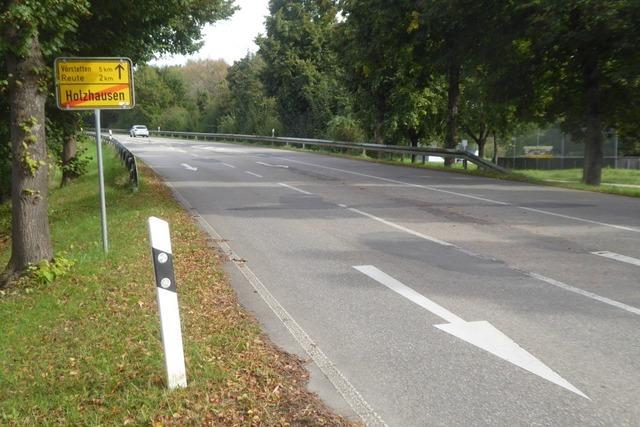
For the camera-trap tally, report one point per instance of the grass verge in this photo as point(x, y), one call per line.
point(85, 349)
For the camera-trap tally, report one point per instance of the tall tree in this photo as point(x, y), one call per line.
point(368, 41)
point(578, 61)
point(396, 45)
point(35, 31)
point(302, 69)
point(29, 30)
point(252, 111)
point(450, 40)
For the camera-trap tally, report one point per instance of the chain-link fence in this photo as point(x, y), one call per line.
point(552, 149)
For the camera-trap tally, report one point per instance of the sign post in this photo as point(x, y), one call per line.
point(103, 204)
point(95, 84)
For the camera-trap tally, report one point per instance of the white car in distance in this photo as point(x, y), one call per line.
point(138, 130)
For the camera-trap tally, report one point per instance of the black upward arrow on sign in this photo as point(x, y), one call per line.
point(120, 68)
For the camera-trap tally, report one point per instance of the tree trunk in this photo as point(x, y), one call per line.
point(413, 137)
point(69, 151)
point(593, 152)
point(377, 133)
point(495, 149)
point(5, 171)
point(481, 144)
point(453, 77)
point(31, 240)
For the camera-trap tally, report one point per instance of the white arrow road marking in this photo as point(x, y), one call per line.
point(618, 257)
point(189, 167)
point(272, 166)
point(482, 334)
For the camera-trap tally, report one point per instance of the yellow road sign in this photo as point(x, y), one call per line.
point(94, 83)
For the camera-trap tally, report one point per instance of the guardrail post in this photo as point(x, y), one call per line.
point(167, 294)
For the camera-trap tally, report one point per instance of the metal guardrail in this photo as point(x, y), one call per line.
point(127, 158)
point(303, 142)
point(363, 147)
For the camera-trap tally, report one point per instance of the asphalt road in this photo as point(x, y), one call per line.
point(423, 297)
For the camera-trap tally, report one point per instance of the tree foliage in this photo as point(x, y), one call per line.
point(302, 72)
point(251, 110)
point(574, 63)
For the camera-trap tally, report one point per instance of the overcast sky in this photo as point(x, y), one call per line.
point(230, 39)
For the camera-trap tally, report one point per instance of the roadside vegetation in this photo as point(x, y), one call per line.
point(623, 182)
point(629, 177)
point(80, 335)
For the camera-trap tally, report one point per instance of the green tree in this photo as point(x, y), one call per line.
point(452, 38)
point(205, 80)
point(251, 110)
point(302, 72)
point(483, 115)
point(367, 41)
point(32, 33)
point(154, 94)
point(577, 62)
point(22, 25)
point(176, 118)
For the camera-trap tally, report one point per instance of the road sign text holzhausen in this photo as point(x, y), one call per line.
point(94, 83)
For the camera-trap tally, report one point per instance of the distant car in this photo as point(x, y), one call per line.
point(138, 130)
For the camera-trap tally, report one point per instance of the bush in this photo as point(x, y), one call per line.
point(227, 124)
point(176, 118)
point(342, 128)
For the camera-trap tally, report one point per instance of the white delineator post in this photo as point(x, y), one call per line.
point(167, 302)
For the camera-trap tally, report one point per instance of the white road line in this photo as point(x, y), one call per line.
point(229, 166)
point(188, 167)
point(481, 334)
point(395, 181)
point(254, 174)
point(587, 294)
point(294, 188)
point(413, 296)
point(468, 196)
point(618, 257)
point(223, 150)
point(545, 279)
point(399, 227)
point(272, 166)
point(349, 393)
point(619, 227)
